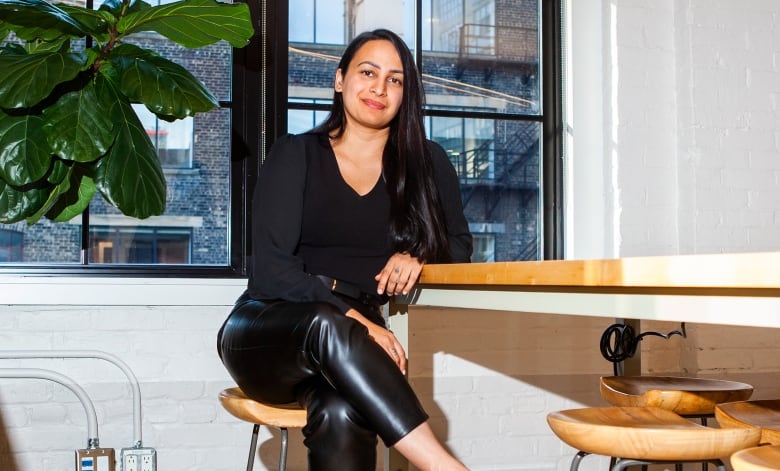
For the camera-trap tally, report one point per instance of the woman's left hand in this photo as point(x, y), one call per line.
point(399, 274)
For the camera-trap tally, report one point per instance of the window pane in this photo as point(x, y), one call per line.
point(11, 245)
point(499, 169)
point(482, 54)
point(319, 33)
point(198, 203)
point(46, 242)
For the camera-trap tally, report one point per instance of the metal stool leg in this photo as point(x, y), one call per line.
point(283, 451)
point(252, 448)
point(575, 462)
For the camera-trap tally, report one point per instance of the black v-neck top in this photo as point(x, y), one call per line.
point(306, 220)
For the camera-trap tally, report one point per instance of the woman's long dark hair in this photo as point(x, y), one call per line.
point(417, 224)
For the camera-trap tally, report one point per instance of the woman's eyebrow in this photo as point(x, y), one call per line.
point(373, 64)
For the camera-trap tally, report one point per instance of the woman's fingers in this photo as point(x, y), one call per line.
point(399, 275)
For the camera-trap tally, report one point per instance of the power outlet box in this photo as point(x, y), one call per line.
point(138, 459)
point(95, 459)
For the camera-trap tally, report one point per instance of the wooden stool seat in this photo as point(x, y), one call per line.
point(286, 415)
point(759, 413)
point(684, 396)
point(647, 433)
point(282, 416)
point(761, 458)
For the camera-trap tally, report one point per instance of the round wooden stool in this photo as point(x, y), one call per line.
point(283, 417)
point(689, 397)
point(760, 458)
point(760, 413)
point(646, 435)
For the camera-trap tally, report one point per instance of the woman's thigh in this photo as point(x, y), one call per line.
point(261, 345)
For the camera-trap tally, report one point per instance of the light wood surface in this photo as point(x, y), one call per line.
point(727, 289)
point(240, 406)
point(759, 413)
point(682, 395)
point(746, 270)
point(762, 458)
point(646, 433)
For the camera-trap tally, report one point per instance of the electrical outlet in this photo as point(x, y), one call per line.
point(130, 463)
point(138, 459)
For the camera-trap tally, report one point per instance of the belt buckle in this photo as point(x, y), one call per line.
point(333, 284)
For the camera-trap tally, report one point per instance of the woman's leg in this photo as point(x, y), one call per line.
point(423, 450)
point(337, 436)
point(275, 351)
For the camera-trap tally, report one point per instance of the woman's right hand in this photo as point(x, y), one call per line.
point(384, 338)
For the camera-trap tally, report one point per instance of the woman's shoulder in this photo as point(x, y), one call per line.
point(297, 147)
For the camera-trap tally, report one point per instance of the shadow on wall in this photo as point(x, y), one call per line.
point(7, 462)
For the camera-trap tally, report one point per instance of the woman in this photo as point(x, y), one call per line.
point(344, 216)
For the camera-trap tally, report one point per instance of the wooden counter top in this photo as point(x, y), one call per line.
point(753, 271)
point(731, 289)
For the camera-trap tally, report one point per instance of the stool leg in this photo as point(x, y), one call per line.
point(283, 450)
point(252, 448)
point(575, 462)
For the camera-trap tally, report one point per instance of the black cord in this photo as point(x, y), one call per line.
point(619, 342)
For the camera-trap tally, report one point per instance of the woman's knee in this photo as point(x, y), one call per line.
point(334, 426)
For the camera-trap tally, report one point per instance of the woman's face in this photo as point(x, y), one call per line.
point(372, 86)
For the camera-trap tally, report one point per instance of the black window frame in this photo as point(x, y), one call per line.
point(259, 107)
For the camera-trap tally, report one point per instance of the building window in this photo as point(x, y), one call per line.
point(152, 245)
point(11, 245)
point(172, 140)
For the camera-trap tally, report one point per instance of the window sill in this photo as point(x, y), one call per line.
point(114, 291)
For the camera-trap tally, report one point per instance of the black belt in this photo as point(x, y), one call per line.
point(351, 291)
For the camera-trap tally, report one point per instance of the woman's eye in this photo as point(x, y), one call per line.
point(395, 81)
point(368, 73)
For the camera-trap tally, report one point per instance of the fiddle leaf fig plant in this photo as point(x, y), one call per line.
point(68, 129)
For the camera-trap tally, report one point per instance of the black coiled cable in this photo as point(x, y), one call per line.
point(619, 342)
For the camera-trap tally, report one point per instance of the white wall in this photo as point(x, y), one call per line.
point(672, 149)
point(673, 123)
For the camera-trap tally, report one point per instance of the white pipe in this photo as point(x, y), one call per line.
point(35, 373)
point(137, 440)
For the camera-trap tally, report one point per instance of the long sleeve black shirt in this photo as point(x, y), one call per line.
point(306, 220)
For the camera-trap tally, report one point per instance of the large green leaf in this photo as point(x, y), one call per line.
point(95, 21)
point(54, 194)
point(48, 20)
point(129, 176)
point(25, 80)
point(115, 7)
point(166, 88)
point(79, 125)
point(24, 155)
point(16, 205)
point(75, 200)
point(193, 23)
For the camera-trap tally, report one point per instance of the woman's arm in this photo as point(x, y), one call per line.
point(458, 235)
point(277, 209)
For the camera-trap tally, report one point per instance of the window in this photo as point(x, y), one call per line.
point(486, 105)
point(11, 245)
point(140, 245)
point(172, 140)
point(493, 103)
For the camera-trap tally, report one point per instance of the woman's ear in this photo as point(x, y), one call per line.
point(339, 81)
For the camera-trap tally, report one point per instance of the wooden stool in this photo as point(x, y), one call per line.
point(689, 397)
point(760, 458)
point(760, 413)
point(646, 435)
point(281, 416)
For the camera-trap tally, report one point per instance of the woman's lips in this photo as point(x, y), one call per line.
point(374, 104)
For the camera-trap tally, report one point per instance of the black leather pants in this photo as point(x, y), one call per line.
point(281, 352)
